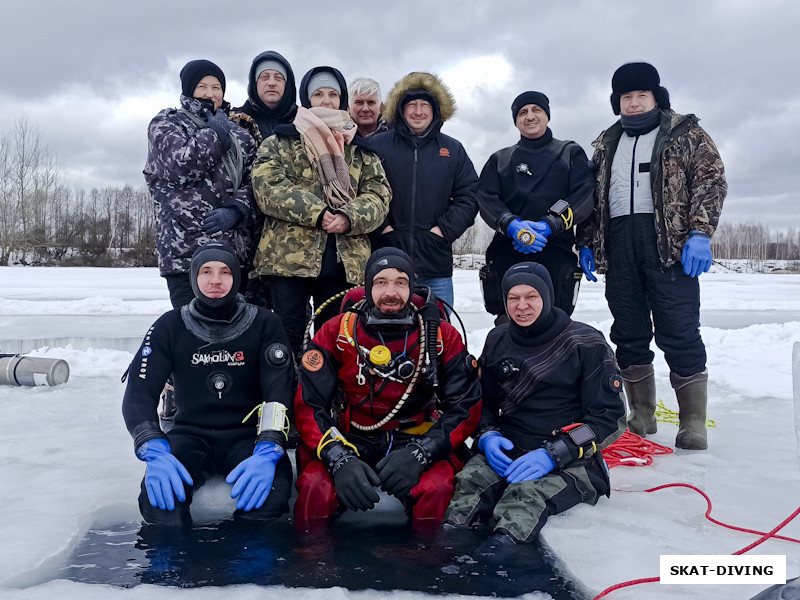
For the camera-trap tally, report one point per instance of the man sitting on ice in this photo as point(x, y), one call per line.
point(228, 358)
point(366, 410)
point(551, 402)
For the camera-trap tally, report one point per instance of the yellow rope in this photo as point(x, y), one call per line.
point(331, 439)
point(667, 415)
point(250, 414)
point(333, 299)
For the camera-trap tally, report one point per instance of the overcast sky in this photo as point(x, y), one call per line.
point(91, 74)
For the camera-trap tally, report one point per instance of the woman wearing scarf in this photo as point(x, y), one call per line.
point(197, 171)
point(322, 191)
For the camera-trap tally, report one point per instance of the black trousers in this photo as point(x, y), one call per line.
point(648, 299)
point(209, 453)
point(180, 289)
point(561, 265)
point(257, 292)
point(290, 297)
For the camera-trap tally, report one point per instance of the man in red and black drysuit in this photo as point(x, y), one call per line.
point(366, 410)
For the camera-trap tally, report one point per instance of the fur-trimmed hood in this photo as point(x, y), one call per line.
point(420, 81)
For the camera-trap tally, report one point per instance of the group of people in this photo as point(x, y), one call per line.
point(353, 204)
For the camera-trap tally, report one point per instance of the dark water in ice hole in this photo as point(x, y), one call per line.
point(378, 557)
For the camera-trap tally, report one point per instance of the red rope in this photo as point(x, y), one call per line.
point(764, 536)
point(708, 516)
point(625, 584)
point(631, 450)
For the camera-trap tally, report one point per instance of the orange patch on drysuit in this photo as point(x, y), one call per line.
point(313, 360)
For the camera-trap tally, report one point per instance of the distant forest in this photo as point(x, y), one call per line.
point(43, 222)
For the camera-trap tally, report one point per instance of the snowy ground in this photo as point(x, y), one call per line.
point(66, 459)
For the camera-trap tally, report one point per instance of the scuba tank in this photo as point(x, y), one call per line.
point(16, 369)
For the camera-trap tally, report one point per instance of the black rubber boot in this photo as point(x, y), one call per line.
point(640, 390)
point(692, 393)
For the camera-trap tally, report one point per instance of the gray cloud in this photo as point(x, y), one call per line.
point(92, 74)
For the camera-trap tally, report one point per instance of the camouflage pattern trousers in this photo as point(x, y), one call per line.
point(520, 510)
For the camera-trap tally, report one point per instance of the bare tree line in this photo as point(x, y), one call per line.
point(755, 242)
point(42, 221)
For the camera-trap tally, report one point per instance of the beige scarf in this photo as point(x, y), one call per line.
point(324, 132)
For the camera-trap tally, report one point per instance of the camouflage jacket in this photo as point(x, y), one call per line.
point(289, 193)
point(187, 176)
point(688, 187)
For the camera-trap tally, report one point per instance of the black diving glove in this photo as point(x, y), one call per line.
point(400, 470)
point(355, 484)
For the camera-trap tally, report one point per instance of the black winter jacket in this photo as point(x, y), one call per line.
point(433, 183)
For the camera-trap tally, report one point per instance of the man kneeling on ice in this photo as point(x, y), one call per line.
point(229, 359)
point(551, 402)
point(366, 410)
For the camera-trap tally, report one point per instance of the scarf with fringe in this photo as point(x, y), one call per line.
point(324, 132)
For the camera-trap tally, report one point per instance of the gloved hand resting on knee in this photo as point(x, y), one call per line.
point(530, 466)
point(492, 445)
point(165, 475)
point(400, 470)
point(252, 478)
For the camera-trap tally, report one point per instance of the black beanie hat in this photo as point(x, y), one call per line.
point(215, 251)
point(525, 98)
point(534, 275)
point(637, 76)
point(193, 71)
point(387, 258)
point(417, 94)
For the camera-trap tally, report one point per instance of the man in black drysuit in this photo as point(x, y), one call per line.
point(542, 186)
point(229, 359)
point(551, 403)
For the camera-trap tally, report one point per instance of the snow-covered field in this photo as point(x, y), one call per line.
point(66, 459)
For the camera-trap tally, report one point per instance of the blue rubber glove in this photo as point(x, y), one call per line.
point(492, 445)
point(515, 227)
point(696, 256)
point(530, 466)
point(221, 219)
point(252, 478)
point(541, 227)
point(165, 475)
point(540, 230)
point(539, 240)
point(586, 261)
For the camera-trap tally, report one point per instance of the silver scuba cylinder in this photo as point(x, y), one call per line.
point(16, 369)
